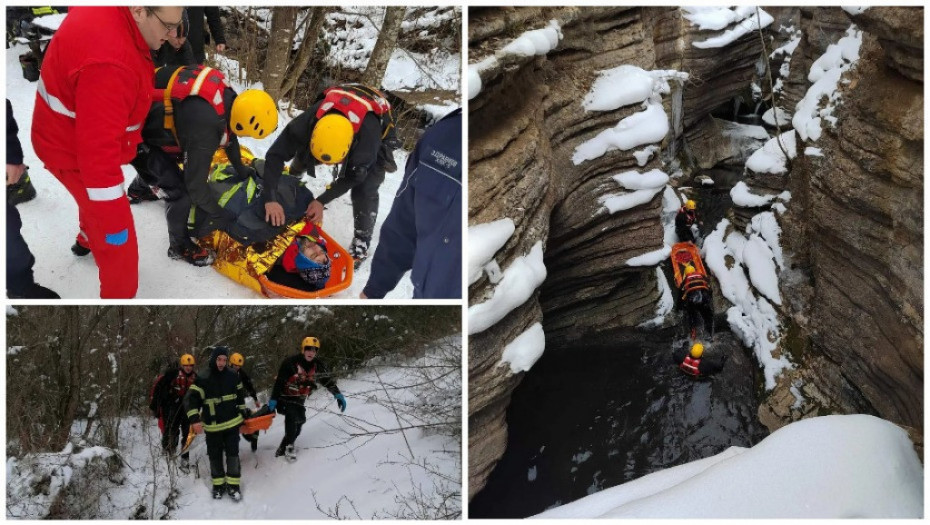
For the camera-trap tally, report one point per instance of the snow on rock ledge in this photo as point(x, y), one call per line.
point(520, 280)
point(854, 466)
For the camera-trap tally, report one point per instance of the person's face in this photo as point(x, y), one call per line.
point(157, 25)
point(177, 42)
point(187, 368)
point(309, 353)
point(235, 367)
point(313, 251)
point(221, 362)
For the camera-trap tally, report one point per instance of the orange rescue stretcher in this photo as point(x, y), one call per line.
point(253, 425)
point(685, 254)
point(250, 265)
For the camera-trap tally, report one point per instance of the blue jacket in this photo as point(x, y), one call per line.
point(423, 231)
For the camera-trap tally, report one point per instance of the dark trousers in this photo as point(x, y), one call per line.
point(684, 233)
point(365, 204)
point(225, 442)
point(699, 313)
point(295, 415)
point(19, 260)
point(160, 172)
point(176, 428)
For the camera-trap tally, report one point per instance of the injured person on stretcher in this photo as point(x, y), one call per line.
point(303, 265)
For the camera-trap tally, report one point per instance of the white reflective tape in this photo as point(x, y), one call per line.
point(353, 95)
point(200, 78)
point(56, 105)
point(105, 194)
point(217, 98)
point(326, 106)
point(354, 118)
point(54, 102)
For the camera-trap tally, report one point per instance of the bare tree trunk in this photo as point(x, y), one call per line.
point(312, 34)
point(283, 23)
point(387, 41)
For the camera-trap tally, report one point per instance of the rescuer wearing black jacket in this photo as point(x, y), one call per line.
point(204, 114)
point(353, 125)
point(167, 404)
point(297, 378)
point(215, 404)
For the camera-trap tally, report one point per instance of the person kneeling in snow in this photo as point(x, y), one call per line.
point(296, 380)
point(695, 364)
point(215, 404)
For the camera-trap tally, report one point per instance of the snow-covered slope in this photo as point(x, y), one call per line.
point(855, 466)
point(50, 223)
point(355, 465)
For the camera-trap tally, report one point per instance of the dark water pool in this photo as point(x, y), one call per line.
point(585, 419)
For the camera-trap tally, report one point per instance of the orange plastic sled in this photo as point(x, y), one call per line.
point(248, 267)
point(340, 278)
point(253, 425)
point(685, 254)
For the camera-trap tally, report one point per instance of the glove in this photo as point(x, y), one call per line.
point(341, 401)
point(273, 403)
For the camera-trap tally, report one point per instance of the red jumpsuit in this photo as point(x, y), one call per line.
point(93, 95)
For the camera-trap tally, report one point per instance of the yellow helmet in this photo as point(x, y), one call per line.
point(310, 341)
point(236, 359)
point(187, 359)
point(690, 205)
point(254, 114)
point(697, 351)
point(689, 270)
point(331, 138)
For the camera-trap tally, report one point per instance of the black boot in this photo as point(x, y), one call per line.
point(139, 191)
point(280, 451)
point(192, 254)
point(218, 491)
point(79, 249)
point(22, 191)
point(234, 492)
point(359, 251)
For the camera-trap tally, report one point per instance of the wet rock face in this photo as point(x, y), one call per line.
point(852, 234)
point(854, 229)
point(524, 127)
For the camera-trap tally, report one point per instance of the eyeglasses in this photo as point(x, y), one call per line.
point(168, 27)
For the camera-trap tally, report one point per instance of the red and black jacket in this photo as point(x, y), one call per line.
point(695, 281)
point(297, 379)
point(171, 388)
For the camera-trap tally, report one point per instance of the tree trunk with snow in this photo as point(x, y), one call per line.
point(311, 35)
point(384, 48)
point(283, 23)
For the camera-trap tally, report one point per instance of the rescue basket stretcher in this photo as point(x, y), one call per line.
point(250, 266)
point(254, 424)
point(685, 254)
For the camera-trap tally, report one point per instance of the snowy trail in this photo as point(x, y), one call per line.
point(346, 461)
point(50, 224)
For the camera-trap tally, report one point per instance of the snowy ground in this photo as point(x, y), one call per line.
point(50, 225)
point(855, 466)
point(339, 470)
